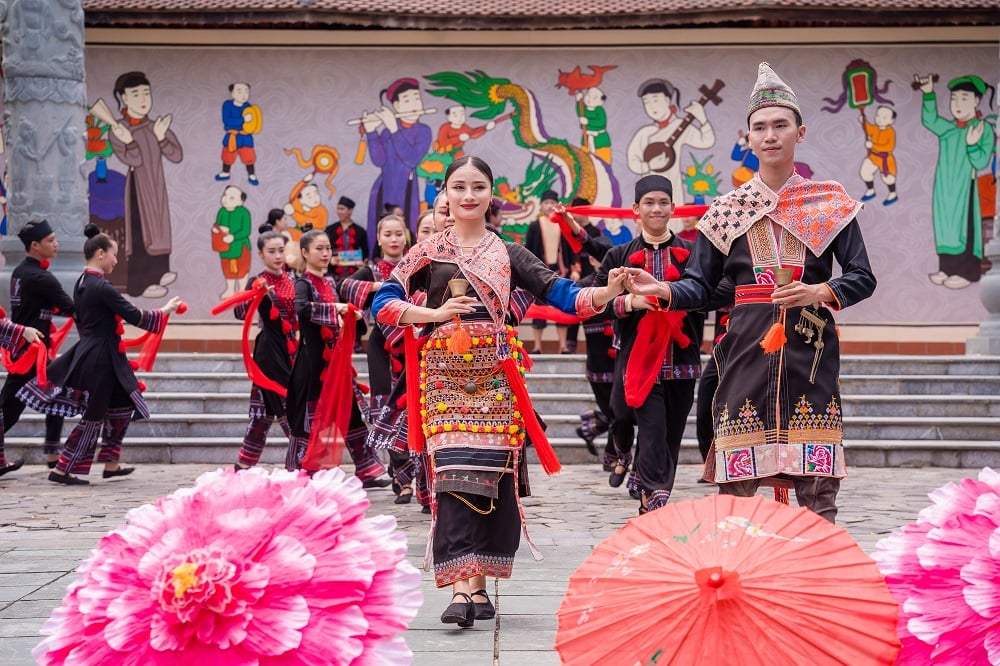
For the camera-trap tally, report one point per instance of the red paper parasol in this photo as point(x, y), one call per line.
point(728, 580)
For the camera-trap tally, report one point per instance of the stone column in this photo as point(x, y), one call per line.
point(987, 340)
point(45, 109)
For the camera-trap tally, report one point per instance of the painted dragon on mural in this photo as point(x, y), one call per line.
point(578, 172)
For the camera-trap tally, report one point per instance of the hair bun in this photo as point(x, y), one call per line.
point(264, 228)
point(91, 230)
point(307, 227)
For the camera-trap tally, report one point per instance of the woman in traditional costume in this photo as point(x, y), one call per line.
point(274, 348)
point(319, 312)
point(94, 377)
point(472, 400)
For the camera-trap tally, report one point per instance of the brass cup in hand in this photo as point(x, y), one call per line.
point(782, 276)
point(458, 287)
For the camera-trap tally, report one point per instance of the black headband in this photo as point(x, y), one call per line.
point(32, 232)
point(653, 183)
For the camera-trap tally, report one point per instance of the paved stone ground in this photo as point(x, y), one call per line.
point(46, 530)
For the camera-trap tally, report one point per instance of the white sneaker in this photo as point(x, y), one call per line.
point(168, 279)
point(939, 277)
point(956, 282)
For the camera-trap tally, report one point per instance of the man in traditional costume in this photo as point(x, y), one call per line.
point(777, 409)
point(660, 356)
point(35, 297)
point(346, 235)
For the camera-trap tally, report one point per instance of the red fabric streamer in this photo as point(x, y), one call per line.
point(683, 210)
point(546, 454)
point(332, 420)
point(654, 334)
point(151, 346)
point(58, 337)
point(567, 233)
point(256, 296)
point(34, 355)
point(549, 313)
point(414, 422)
point(136, 342)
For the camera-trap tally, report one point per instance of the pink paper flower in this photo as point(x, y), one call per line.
point(243, 569)
point(944, 570)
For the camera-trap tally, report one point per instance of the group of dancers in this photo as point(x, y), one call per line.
point(448, 399)
point(94, 378)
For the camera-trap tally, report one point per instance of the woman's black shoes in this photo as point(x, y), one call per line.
point(67, 480)
point(404, 496)
point(12, 467)
point(121, 471)
point(616, 478)
point(462, 613)
point(484, 611)
point(380, 482)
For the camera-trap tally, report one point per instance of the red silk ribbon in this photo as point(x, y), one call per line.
point(36, 355)
point(332, 419)
point(256, 296)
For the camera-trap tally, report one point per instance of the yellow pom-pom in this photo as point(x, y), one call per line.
point(441, 406)
point(499, 396)
point(475, 428)
point(447, 427)
point(467, 357)
point(512, 429)
point(462, 427)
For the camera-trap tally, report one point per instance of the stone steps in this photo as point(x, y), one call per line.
point(860, 452)
point(898, 410)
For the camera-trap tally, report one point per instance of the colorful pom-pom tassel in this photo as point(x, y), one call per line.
point(121, 347)
point(326, 334)
point(274, 314)
point(286, 326)
point(133, 364)
point(142, 387)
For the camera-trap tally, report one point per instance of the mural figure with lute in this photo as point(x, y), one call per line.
point(654, 148)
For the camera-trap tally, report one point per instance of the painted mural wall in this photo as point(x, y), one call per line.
point(189, 148)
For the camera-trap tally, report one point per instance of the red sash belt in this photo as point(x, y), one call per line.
point(754, 293)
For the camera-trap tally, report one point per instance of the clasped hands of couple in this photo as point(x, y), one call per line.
point(642, 286)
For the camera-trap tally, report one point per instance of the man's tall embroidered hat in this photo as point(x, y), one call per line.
point(771, 91)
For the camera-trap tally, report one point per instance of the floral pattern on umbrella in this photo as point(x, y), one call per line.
point(728, 580)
